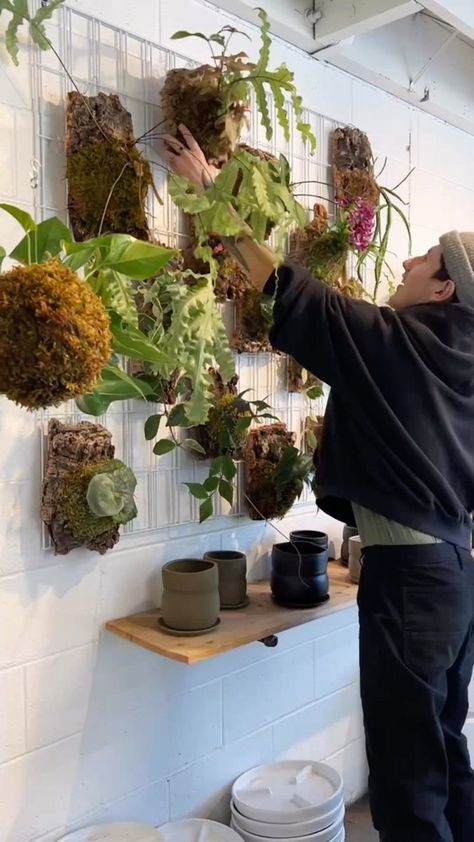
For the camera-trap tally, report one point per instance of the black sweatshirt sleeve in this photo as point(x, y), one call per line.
point(338, 339)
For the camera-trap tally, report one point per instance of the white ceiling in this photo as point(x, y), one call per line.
point(419, 50)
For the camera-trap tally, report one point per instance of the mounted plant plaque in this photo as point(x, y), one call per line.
point(108, 177)
point(87, 493)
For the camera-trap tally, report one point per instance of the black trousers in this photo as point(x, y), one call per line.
point(416, 607)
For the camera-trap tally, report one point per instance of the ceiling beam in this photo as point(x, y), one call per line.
point(343, 20)
point(457, 13)
point(288, 19)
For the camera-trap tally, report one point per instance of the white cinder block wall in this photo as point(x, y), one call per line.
point(91, 727)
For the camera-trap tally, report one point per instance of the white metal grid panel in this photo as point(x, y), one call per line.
point(101, 57)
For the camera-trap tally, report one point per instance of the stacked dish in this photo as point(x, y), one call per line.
point(198, 830)
point(116, 832)
point(296, 800)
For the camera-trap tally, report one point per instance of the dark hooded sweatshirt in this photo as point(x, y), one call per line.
point(398, 436)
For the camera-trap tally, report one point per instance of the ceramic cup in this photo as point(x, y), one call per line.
point(190, 594)
point(355, 551)
point(232, 567)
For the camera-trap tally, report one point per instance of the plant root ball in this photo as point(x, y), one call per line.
point(54, 335)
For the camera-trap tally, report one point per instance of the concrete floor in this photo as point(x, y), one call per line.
point(359, 825)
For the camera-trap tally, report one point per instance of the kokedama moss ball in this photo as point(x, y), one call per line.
point(54, 335)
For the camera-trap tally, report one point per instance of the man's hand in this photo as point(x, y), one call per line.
point(186, 158)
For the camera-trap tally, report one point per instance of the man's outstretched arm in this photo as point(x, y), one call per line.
point(186, 158)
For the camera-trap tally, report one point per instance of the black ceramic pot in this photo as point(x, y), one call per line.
point(299, 574)
point(312, 536)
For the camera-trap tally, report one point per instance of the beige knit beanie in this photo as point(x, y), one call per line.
point(458, 253)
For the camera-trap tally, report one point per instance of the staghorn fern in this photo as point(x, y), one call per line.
point(110, 492)
point(20, 15)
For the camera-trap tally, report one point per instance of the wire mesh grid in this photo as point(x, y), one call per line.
point(101, 57)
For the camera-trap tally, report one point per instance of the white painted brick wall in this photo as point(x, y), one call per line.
point(92, 728)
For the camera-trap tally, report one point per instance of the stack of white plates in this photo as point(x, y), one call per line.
point(198, 830)
point(116, 832)
point(297, 800)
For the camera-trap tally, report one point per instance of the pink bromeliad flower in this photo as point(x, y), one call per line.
point(360, 217)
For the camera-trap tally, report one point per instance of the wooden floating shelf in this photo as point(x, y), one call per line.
point(260, 621)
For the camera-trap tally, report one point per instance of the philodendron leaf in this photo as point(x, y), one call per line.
point(136, 259)
point(226, 490)
point(197, 490)
point(26, 221)
point(193, 446)
point(314, 392)
point(211, 484)
point(152, 425)
point(177, 416)
point(133, 343)
point(164, 446)
point(115, 385)
point(206, 510)
point(43, 242)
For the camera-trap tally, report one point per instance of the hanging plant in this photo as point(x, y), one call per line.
point(188, 327)
point(87, 494)
point(55, 335)
point(353, 167)
point(221, 439)
point(108, 178)
point(20, 15)
point(275, 472)
point(71, 325)
point(229, 420)
point(356, 183)
point(324, 249)
point(247, 189)
point(212, 100)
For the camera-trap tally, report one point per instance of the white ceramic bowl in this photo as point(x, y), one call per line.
point(339, 836)
point(198, 830)
point(332, 820)
point(116, 832)
point(288, 792)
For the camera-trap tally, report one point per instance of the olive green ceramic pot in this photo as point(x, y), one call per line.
point(190, 594)
point(232, 567)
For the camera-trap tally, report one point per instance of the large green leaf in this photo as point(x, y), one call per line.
point(133, 343)
point(152, 425)
point(79, 254)
point(26, 221)
point(43, 242)
point(121, 253)
point(115, 385)
point(136, 259)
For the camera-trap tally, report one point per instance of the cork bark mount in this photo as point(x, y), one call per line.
point(263, 451)
point(72, 447)
point(353, 166)
point(108, 177)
